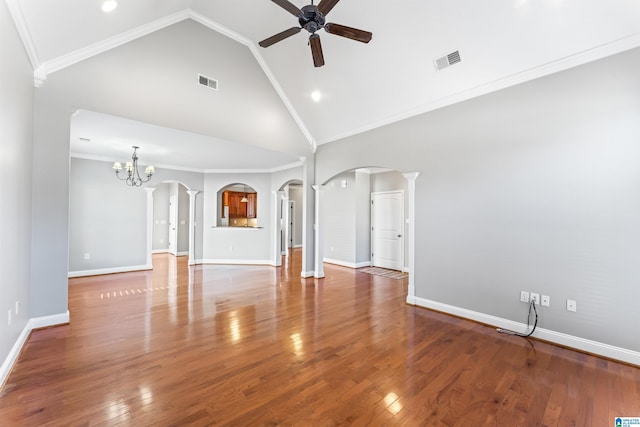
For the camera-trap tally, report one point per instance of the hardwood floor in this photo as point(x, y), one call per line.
point(252, 345)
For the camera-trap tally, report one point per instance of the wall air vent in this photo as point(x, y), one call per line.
point(208, 82)
point(447, 60)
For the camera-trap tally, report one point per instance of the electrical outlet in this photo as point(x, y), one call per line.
point(546, 301)
point(535, 298)
point(17, 307)
point(524, 296)
point(87, 256)
point(572, 305)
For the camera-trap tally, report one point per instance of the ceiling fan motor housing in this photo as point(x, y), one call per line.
point(311, 19)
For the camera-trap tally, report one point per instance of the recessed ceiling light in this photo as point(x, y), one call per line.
point(316, 95)
point(109, 5)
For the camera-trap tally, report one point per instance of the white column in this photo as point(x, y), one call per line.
point(308, 210)
point(284, 223)
point(276, 225)
point(192, 226)
point(318, 238)
point(149, 190)
point(411, 181)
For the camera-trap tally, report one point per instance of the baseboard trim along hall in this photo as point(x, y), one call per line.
point(100, 271)
point(35, 323)
point(577, 343)
point(236, 261)
point(348, 264)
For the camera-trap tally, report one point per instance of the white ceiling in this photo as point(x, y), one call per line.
point(364, 86)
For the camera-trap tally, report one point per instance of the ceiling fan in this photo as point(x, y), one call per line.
point(312, 19)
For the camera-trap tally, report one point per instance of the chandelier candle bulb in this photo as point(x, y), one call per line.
point(117, 166)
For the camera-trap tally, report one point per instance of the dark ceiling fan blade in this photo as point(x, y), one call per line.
point(348, 32)
point(280, 36)
point(289, 7)
point(325, 6)
point(316, 50)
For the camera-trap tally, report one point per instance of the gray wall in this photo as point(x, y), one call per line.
point(339, 219)
point(346, 217)
point(16, 127)
point(535, 187)
point(108, 219)
point(363, 217)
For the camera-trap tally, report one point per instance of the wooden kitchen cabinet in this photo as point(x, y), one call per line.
point(238, 209)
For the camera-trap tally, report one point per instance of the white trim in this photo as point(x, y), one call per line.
point(23, 29)
point(12, 357)
point(187, 169)
point(79, 55)
point(100, 271)
point(237, 261)
point(160, 251)
point(265, 68)
point(347, 264)
point(593, 347)
point(574, 60)
point(306, 274)
point(296, 246)
point(14, 353)
point(269, 170)
point(46, 321)
point(183, 253)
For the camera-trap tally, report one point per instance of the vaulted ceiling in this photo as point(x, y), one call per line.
point(363, 86)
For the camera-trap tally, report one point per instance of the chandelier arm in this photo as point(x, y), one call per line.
point(133, 178)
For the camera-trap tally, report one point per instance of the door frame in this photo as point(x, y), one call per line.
point(402, 222)
point(173, 228)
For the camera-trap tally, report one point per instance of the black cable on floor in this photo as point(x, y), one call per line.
point(532, 305)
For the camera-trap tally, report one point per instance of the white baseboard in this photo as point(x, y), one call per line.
point(35, 323)
point(347, 264)
point(306, 274)
point(183, 253)
point(46, 321)
point(236, 261)
point(582, 344)
point(100, 271)
point(297, 246)
point(160, 251)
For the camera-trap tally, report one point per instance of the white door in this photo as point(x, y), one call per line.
point(387, 229)
point(173, 225)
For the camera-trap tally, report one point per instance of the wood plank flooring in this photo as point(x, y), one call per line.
point(253, 346)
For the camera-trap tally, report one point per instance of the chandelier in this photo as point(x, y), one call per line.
point(133, 178)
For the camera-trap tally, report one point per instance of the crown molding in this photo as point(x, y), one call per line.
point(109, 159)
point(265, 69)
point(43, 70)
point(79, 55)
point(562, 64)
point(23, 30)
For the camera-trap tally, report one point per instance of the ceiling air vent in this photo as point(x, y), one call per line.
point(208, 82)
point(447, 60)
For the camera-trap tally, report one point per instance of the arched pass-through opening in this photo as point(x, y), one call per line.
point(346, 220)
point(170, 221)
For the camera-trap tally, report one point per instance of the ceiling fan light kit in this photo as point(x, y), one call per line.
point(313, 18)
